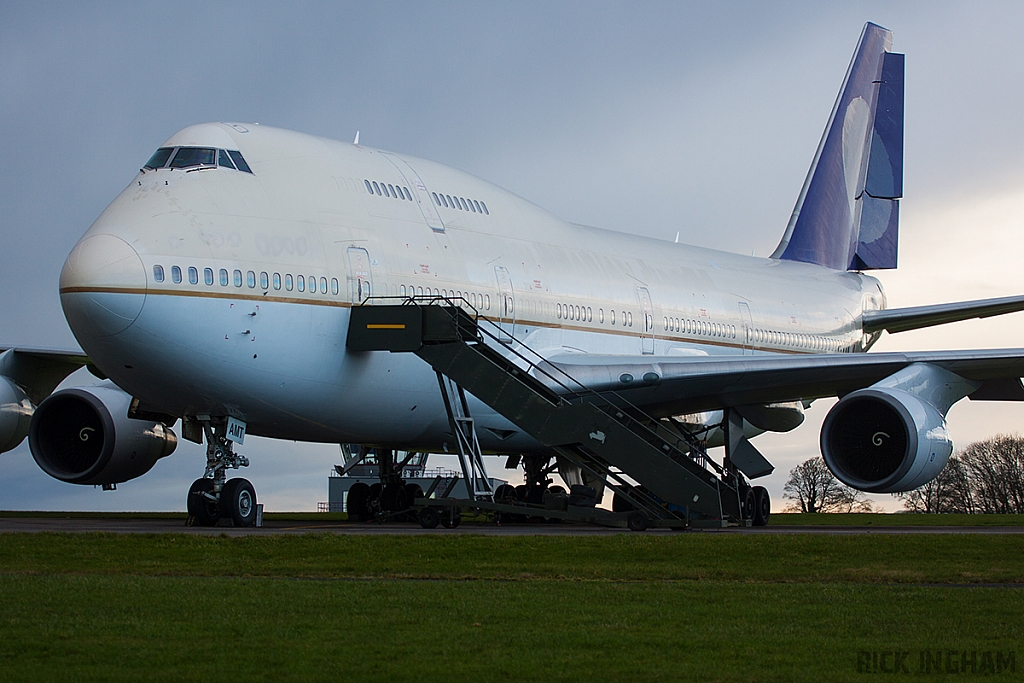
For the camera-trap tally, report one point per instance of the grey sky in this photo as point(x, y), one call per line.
point(642, 117)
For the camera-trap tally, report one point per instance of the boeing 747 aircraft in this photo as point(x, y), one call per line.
point(217, 290)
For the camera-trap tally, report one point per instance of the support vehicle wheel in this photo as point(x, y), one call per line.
point(762, 506)
point(358, 496)
point(452, 519)
point(637, 521)
point(201, 510)
point(429, 518)
point(238, 501)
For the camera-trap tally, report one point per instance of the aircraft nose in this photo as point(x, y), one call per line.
point(102, 286)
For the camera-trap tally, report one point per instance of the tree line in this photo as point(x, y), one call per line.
point(986, 477)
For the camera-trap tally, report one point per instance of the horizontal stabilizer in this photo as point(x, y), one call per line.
point(915, 317)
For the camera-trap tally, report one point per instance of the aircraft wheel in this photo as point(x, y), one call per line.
point(392, 498)
point(506, 493)
point(429, 518)
point(201, 510)
point(749, 504)
point(238, 501)
point(358, 496)
point(412, 492)
point(762, 506)
point(637, 521)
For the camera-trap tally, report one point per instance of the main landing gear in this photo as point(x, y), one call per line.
point(214, 496)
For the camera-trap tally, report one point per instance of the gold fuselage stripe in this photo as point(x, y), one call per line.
point(202, 294)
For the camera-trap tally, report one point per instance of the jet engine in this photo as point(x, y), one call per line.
point(84, 436)
point(891, 437)
point(15, 414)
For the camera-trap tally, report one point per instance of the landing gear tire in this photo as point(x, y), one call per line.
point(412, 492)
point(506, 494)
point(238, 501)
point(429, 518)
point(637, 521)
point(749, 505)
point(358, 497)
point(201, 510)
point(762, 506)
point(392, 498)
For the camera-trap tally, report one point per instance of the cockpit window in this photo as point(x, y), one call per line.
point(223, 159)
point(239, 161)
point(194, 156)
point(159, 157)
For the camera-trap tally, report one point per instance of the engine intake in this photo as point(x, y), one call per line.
point(84, 436)
point(885, 440)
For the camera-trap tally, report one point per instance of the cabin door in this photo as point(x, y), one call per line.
point(747, 330)
point(420, 194)
point(360, 278)
point(506, 304)
point(646, 321)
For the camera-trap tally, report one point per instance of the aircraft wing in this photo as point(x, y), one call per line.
point(38, 371)
point(664, 386)
point(894, 320)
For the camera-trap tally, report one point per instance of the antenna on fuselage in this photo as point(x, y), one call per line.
point(677, 237)
point(356, 141)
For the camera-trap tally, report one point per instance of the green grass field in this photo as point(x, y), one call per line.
point(777, 519)
point(629, 607)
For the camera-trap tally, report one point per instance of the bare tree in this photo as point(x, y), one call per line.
point(950, 492)
point(986, 477)
point(813, 488)
point(995, 468)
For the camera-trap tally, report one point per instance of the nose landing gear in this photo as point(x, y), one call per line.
point(214, 496)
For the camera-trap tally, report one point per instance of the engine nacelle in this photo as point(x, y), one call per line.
point(885, 440)
point(15, 414)
point(84, 436)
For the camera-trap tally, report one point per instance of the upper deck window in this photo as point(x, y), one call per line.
point(187, 157)
point(159, 157)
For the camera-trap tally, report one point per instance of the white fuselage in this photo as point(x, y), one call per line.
point(273, 355)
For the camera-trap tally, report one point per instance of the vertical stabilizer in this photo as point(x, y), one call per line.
point(847, 215)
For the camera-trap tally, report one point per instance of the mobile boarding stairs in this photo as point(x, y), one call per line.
point(601, 433)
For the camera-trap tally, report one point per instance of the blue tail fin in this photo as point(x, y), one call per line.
point(847, 216)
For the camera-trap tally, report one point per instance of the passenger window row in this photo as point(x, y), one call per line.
point(707, 329)
point(586, 314)
point(460, 203)
point(197, 157)
point(383, 189)
point(806, 341)
point(266, 281)
point(476, 300)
